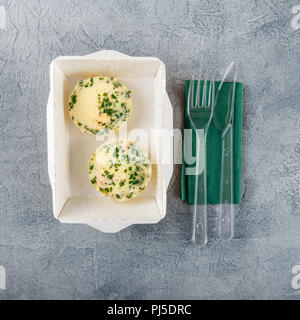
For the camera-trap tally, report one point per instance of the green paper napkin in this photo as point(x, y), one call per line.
point(214, 150)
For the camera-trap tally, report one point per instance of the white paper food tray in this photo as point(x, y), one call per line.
point(69, 150)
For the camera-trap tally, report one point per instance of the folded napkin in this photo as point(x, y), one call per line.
point(214, 150)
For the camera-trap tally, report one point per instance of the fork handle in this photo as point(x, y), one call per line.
point(227, 208)
point(199, 234)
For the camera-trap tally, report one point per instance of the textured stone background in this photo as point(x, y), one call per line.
point(46, 259)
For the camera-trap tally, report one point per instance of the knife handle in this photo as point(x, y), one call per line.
point(226, 199)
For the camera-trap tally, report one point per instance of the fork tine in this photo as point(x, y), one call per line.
point(209, 93)
point(189, 95)
point(208, 98)
point(197, 102)
point(192, 91)
point(204, 92)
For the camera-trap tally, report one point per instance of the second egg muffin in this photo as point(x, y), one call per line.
point(120, 170)
point(100, 104)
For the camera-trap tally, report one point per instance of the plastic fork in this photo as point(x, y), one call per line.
point(200, 110)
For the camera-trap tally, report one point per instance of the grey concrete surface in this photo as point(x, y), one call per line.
point(46, 259)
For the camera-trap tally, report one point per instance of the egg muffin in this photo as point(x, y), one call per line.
point(100, 104)
point(120, 170)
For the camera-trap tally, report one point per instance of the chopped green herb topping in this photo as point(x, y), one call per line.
point(73, 98)
point(106, 103)
point(121, 183)
point(117, 84)
point(109, 111)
